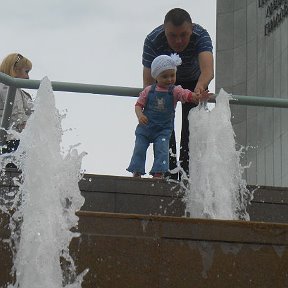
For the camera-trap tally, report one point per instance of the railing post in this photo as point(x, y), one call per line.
point(7, 112)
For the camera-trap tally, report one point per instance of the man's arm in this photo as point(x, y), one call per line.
point(147, 78)
point(206, 64)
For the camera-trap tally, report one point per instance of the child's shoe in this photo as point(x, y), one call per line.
point(158, 175)
point(137, 175)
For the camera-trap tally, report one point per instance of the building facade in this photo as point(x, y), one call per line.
point(252, 59)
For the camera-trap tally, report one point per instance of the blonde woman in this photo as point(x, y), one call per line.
point(17, 66)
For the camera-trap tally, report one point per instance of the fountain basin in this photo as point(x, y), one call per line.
point(127, 250)
point(124, 246)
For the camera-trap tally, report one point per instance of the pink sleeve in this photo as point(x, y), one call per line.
point(182, 95)
point(142, 99)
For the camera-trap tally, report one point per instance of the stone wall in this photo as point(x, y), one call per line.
point(252, 59)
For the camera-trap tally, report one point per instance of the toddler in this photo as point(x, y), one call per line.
point(155, 109)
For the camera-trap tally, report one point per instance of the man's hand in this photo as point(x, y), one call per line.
point(202, 97)
point(199, 90)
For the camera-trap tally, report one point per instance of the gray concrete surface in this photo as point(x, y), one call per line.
point(248, 62)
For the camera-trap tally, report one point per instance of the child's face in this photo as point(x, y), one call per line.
point(166, 78)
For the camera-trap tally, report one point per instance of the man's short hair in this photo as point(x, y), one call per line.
point(177, 17)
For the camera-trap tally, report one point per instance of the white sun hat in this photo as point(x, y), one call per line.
point(164, 62)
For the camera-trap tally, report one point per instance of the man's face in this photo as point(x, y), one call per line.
point(178, 37)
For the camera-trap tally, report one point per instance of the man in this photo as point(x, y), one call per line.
point(194, 46)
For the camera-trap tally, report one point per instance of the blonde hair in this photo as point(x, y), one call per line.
point(13, 61)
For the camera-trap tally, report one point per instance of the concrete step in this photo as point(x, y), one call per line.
point(126, 250)
point(159, 197)
point(130, 250)
point(118, 194)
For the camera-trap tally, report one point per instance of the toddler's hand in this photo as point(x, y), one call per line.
point(202, 97)
point(143, 119)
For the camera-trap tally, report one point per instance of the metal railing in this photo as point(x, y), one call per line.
point(14, 83)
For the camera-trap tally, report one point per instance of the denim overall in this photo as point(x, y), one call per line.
point(160, 112)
